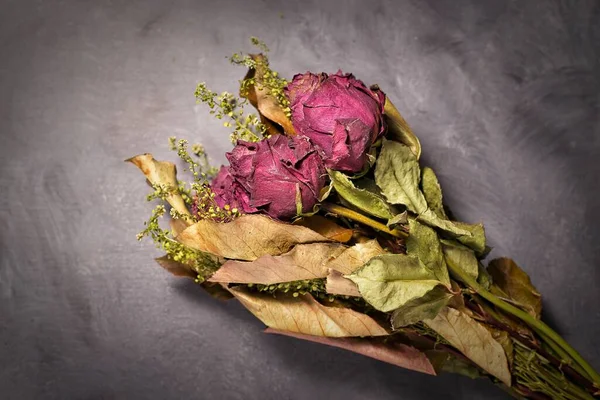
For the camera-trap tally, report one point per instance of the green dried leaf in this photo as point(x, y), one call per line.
point(247, 237)
point(421, 308)
point(424, 244)
point(461, 257)
point(515, 282)
point(397, 174)
point(389, 281)
point(369, 202)
point(473, 340)
point(433, 192)
point(399, 130)
point(399, 219)
point(443, 361)
point(476, 240)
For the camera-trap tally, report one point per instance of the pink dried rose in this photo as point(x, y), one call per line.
point(265, 176)
point(339, 114)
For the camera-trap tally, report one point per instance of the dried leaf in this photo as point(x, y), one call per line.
point(397, 354)
point(473, 340)
point(261, 98)
point(476, 240)
point(216, 290)
point(433, 192)
point(177, 225)
point(304, 261)
point(505, 341)
point(397, 174)
point(368, 201)
point(390, 281)
point(162, 173)
point(303, 314)
point(443, 361)
point(399, 130)
point(356, 256)
point(337, 284)
point(326, 228)
point(424, 244)
point(398, 219)
point(247, 237)
point(515, 282)
point(176, 268)
point(461, 257)
point(425, 307)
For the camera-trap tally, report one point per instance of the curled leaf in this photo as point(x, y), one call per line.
point(473, 340)
point(420, 308)
point(515, 282)
point(303, 314)
point(390, 281)
point(337, 284)
point(397, 354)
point(398, 219)
point(304, 261)
point(261, 98)
point(461, 257)
point(433, 192)
point(163, 174)
point(247, 237)
point(424, 244)
point(368, 201)
point(175, 267)
point(399, 129)
point(326, 228)
point(356, 256)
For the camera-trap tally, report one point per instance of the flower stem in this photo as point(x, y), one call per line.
point(358, 217)
point(548, 334)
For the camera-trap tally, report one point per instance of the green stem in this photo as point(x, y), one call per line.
point(541, 328)
point(358, 217)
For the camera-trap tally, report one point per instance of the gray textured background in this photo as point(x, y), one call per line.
point(504, 95)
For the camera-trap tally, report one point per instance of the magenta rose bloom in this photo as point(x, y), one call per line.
point(339, 114)
point(228, 191)
point(265, 176)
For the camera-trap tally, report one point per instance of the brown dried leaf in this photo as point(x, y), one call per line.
point(304, 261)
point(473, 340)
point(176, 268)
point(397, 354)
point(162, 173)
point(217, 291)
point(355, 257)
point(337, 284)
point(247, 237)
point(264, 101)
point(515, 282)
point(326, 227)
point(303, 314)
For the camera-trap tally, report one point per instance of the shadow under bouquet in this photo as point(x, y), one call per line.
point(325, 226)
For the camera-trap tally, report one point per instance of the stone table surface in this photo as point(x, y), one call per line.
point(504, 95)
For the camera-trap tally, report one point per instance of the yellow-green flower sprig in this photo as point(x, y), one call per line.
point(271, 80)
point(201, 263)
point(245, 126)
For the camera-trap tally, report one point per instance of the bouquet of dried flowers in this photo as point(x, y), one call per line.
point(325, 226)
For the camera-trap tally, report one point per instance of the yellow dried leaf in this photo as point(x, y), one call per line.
point(247, 237)
point(303, 314)
point(337, 284)
point(304, 261)
point(326, 227)
point(162, 173)
point(355, 257)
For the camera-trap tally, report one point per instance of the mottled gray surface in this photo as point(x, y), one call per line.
point(504, 95)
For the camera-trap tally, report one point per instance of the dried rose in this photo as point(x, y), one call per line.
point(339, 114)
point(270, 173)
point(229, 192)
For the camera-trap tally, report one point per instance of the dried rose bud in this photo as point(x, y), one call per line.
point(339, 114)
point(271, 171)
